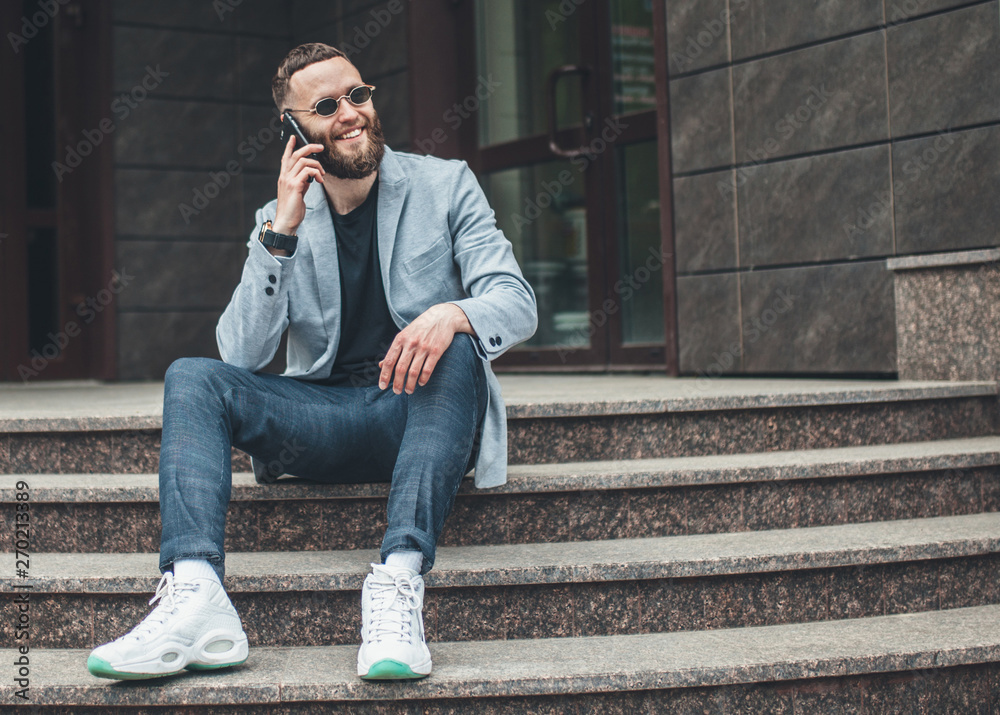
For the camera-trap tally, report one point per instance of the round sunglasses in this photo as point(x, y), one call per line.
point(328, 106)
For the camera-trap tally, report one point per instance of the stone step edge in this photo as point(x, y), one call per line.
point(553, 666)
point(684, 556)
point(695, 399)
point(866, 460)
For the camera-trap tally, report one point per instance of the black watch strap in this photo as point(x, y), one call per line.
point(280, 241)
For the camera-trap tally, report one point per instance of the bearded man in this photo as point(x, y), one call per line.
point(388, 271)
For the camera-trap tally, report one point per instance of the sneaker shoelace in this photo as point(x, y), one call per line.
point(170, 594)
point(392, 604)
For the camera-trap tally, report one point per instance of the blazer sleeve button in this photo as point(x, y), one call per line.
point(493, 341)
point(269, 290)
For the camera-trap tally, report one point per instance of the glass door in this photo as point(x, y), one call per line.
point(565, 147)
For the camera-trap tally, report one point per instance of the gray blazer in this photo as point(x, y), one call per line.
point(437, 241)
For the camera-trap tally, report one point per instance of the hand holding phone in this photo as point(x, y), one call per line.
point(288, 127)
point(298, 168)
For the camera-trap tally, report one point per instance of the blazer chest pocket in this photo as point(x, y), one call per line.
point(437, 250)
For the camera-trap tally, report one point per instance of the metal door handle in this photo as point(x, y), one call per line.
point(550, 101)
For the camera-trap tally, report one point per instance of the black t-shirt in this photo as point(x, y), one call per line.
point(366, 326)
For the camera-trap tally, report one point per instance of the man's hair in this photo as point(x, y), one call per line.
point(301, 56)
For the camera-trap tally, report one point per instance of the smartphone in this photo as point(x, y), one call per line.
point(288, 127)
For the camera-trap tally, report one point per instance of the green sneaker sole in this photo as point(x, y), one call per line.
point(391, 670)
point(102, 669)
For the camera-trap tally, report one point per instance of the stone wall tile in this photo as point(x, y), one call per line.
point(705, 221)
point(179, 274)
point(833, 318)
point(196, 64)
point(764, 26)
point(701, 121)
point(697, 34)
point(944, 191)
point(807, 210)
point(708, 323)
point(817, 98)
point(943, 70)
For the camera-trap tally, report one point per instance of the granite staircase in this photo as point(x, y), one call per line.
point(730, 546)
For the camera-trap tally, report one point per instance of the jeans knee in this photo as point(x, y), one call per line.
point(187, 368)
point(192, 373)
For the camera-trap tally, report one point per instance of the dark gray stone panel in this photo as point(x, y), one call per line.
point(820, 97)
point(170, 132)
point(259, 60)
point(701, 124)
point(806, 210)
point(392, 102)
point(307, 15)
point(833, 318)
point(179, 274)
point(182, 14)
point(376, 38)
point(697, 34)
point(149, 342)
point(943, 70)
point(258, 190)
point(945, 190)
point(259, 147)
point(705, 221)
point(259, 17)
point(350, 7)
point(330, 33)
point(764, 26)
point(900, 11)
point(708, 323)
point(149, 203)
point(264, 17)
point(197, 64)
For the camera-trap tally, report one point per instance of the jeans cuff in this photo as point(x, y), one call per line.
point(409, 539)
point(217, 561)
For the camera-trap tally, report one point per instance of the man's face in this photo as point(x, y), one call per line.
point(349, 154)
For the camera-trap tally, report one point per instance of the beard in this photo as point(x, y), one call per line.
point(355, 165)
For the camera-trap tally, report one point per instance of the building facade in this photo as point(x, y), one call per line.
point(698, 186)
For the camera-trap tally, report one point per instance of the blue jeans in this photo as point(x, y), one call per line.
point(422, 443)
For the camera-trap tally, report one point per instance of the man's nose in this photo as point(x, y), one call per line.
point(348, 113)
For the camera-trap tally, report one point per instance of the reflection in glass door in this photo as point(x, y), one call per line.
point(567, 154)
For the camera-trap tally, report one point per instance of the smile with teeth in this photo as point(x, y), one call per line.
point(351, 134)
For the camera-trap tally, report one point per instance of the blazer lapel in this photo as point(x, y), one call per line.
point(318, 222)
point(391, 194)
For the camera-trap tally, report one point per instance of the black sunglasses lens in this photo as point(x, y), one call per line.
point(326, 107)
point(360, 95)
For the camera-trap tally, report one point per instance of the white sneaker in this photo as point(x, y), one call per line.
point(392, 626)
point(194, 626)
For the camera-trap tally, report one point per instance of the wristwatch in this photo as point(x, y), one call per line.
point(280, 241)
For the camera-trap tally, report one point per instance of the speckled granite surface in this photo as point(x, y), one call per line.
point(922, 642)
point(948, 316)
point(567, 476)
point(541, 440)
point(606, 560)
point(956, 689)
point(596, 437)
point(571, 609)
point(559, 590)
point(75, 407)
point(548, 503)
